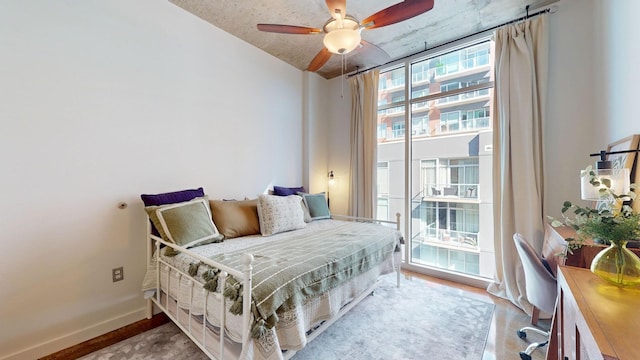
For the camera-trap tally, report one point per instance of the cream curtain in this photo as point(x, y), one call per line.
point(521, 57)
point(364, 110)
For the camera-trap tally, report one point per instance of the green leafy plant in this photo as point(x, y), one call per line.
point(612, 222)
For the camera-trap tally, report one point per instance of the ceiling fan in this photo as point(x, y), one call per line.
point(342, 31)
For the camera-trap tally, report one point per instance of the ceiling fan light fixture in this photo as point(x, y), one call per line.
point(343, 35)
point(342, 41)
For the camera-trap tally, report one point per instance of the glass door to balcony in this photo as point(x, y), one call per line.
point(446, 136)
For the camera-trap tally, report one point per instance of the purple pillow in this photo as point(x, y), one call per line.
point(170, 198)
point(286, 191)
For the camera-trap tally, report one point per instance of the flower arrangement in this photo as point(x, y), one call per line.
point(613, 221)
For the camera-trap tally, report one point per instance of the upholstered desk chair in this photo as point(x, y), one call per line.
point(541, 288)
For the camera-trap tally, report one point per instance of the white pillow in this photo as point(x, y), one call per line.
point(280, 213)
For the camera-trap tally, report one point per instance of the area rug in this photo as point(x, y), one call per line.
point(418, 320)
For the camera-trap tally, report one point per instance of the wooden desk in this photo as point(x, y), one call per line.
point(593, 319)
point(582, 257)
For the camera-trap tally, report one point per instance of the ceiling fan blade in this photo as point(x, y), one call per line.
point(288, 29)
point(321, 58)
point(340, 5)
point(370, 55)
point(398, 12)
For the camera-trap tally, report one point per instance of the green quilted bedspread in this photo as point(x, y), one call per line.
point(286, 272)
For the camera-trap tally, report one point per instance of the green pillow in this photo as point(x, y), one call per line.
point(317, 205)
point(187, 224)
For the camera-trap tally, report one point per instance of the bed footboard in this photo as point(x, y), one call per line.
point(209, 332)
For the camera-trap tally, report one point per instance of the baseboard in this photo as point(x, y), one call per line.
point(109, 338)
point(89, 339)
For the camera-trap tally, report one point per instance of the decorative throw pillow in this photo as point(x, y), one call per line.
point(170, 198)
point(286, 191)
point(187, 224)
point(280, 213)
point(316, 205)
point(235, 218)
point(305, 211)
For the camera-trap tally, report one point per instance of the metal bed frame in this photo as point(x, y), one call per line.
point(192, 328)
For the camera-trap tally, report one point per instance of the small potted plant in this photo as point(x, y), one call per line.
point(614, 223)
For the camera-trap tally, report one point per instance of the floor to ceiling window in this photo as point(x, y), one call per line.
point(443, 146)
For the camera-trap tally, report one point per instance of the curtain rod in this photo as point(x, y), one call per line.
point(551, 10)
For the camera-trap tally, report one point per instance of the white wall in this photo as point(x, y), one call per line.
point(572, 93)
point(617, 72)
point(592, 89)
point(316, 107)
point(101, 101)
point(339, 153)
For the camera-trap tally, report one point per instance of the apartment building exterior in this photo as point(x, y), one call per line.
point(450, 137)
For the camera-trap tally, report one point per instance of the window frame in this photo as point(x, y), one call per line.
point(414, 96)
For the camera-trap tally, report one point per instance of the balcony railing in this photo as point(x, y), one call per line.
point(464, 96)
point(460, 126)
point(389, 84)
point(397, 133)
point(464, 125)
point(456, 191)
point(392, 111)
point(448, 68)
point(448, 238)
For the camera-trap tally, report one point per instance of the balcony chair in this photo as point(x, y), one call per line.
point(542, 291)
point(471, 192)
point(467, 240)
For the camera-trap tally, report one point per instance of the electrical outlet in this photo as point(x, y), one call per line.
point(117, 274)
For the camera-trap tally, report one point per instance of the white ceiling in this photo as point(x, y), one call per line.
point(448, 20)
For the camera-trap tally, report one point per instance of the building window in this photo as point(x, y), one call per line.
point(450, 177)
point(448, 223)
point(382, 208)
point(397, 99)
point(448, 87)
point(398, 129)
point(420, 73)
point(448, 63)
point(450, 126)
point(450, 121)
point(382, 131)
point(476, 119)
point(420, 125)
point(383, 179)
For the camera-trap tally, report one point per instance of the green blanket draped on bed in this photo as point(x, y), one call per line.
point(287, 272)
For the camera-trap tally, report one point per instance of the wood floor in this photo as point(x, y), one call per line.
point(502, 342)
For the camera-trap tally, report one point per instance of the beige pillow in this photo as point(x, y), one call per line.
point(235, 218)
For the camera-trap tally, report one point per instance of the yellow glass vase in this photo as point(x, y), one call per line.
point(618, 265)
